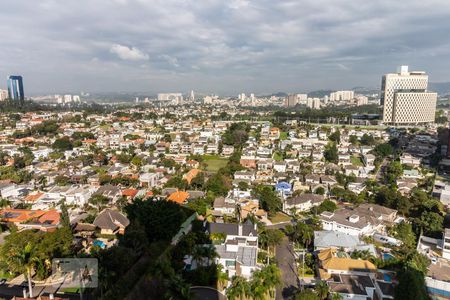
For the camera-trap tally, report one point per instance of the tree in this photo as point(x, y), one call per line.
point(271, 278)
point(62, 144)
point(98, 201)
point(218, 184)
point(331, 153)
point(268, 199)
point(353, 139)
point(307, 294)
point(24, 259)
point(393, 171)
point(238, 289)
point(137, 161)
point(26, 251)
point(222, 277)
point(336, 296)
point(243, 186)
point(367, 139)
point(65, 220)
point(335, 137)
point(430, 222)
point(362, 254)
point(326, 205)
point(383, 150)
point(322, 290)
point(198, 182)
point(319, 191)
point(411, 285)
point(300, 233)
point(270, 238)
point(403, 231)
point(161, 220)
point(177, 182)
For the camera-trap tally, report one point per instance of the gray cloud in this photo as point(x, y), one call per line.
point(220, 46)
point(128, 53)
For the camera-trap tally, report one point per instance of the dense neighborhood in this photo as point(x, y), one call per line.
point(176, 201)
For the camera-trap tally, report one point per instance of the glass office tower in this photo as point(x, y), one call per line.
point(15, 88)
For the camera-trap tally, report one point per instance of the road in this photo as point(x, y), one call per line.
point(286, 262)
point(380, 174)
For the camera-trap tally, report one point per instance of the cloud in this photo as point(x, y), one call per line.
point(128, 53)
point(220, 46)
point(173, 61)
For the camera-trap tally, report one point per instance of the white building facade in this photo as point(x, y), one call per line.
point(405, 98)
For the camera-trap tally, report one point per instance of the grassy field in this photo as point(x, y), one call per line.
point(214, 163)
point(277, 156)
point(280, 218)
point(356, 160)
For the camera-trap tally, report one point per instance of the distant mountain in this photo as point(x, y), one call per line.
point(366, 90)
point(279, 94)
point(319, 94)
point(442, 88)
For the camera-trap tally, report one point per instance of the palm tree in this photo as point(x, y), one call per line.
point(258, 285)
point(4, 203)
point(24, 260)
point(305, 234)
point(239, 288)
point(270, 238)
point(336, 296)
point(222, 278)
point(271, 276)
point(322, 290)
point(178, 289)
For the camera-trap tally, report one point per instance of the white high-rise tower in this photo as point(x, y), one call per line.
point(405, 99)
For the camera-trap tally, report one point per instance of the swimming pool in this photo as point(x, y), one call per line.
point(387, 256)
point(387, 277)
point(100, 244)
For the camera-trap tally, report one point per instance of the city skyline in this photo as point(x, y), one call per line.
point(223, 47)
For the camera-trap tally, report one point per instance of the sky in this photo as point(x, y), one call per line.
point(220, 46)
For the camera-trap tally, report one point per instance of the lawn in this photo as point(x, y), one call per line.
point(71, 290)
point(214, 163)
point(280, 218)
point(356, 160)
point(283, 136)
point(277, 156)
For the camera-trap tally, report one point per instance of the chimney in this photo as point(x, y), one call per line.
point(239, 229)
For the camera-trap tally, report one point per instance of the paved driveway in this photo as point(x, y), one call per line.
point(286, 262)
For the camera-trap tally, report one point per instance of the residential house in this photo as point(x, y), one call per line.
point(237, 248)
point(111, 222)
point(365, 219)
point(302, 202)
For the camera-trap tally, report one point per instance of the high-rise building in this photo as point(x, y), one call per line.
point(15, 88)
point(174, 98)
point(361, 100)
point(192, 96)
point(67, 98)
point(313, 103)
point(3, 95)
point(405, 98)
point(302, 98)
point(342, 96)
point(291, 100)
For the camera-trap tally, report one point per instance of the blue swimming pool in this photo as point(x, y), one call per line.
point(99, 243)
point(387, 256)
point(387, 277)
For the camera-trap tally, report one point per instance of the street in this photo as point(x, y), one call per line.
point(286, 262)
